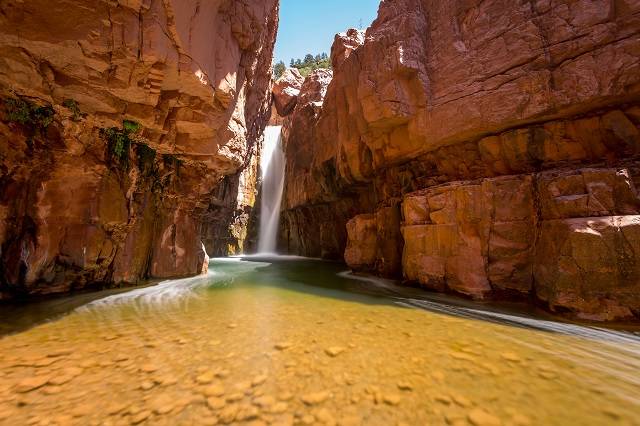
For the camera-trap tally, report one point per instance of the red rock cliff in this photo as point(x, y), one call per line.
point(119, 122)
point(488, 148)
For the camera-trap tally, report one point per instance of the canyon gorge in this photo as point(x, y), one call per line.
point(442, 227)
point(488, 150)
point(145, 158)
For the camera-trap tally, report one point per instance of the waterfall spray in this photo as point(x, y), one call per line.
point(272, 164)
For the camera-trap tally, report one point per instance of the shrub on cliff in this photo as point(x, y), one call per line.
point(311, 63)
point(279, 69)
point(33, 118)
point(26, 113)
point(119, 140)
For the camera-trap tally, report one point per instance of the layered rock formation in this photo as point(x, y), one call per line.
point(487, 148)
point(125, 129)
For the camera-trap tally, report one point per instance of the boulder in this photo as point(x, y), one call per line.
point(286, 90)
point(590, 266)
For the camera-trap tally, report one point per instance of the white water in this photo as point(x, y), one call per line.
point(272, 164)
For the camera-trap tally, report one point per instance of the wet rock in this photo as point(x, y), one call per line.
point(243, 386)
point(307, 419)
point(479, 417)
point(31, 383)
point(521, 420)
point(443, 399)
point(235, 397)
point(259, 380)
point(52, 390)
point(221, 374)
point(324, 416)
point(147, 385)
point(140, 417)
point(264, 401)
point(285, 396)
point(116, 408)
point(510, 356)
point(162, 404)
point(82, 410)
point(315, 398)
point(461, 400)
point(281, 346)
point(59, 353)
point(284, 420)
point(405, 386)
point(334, 351)
point(247, 413)
point(209, 421)
point(455, 419)
point(391, 399)
point(149, 368)
point(214, 390)
point(279, 408)
point(216, 403)
point(205, 378)
point(228, 414)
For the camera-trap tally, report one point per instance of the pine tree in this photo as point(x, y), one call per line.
point(279, 69)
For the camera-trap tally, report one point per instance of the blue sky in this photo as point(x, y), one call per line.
point(308, 26)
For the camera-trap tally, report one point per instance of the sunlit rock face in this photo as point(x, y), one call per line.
point(77, 209)
point(286, 90)
point(507, 135)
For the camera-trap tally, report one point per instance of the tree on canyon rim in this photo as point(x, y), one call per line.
point(305, 66)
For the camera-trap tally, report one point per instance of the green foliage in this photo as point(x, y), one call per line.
point(33, 118)
point(311, 63)
point(28, 114)
point(120, 140)
point(131, 126)
point(18, 111)
point(279, 69)
point(119, 143)
point(74, 107)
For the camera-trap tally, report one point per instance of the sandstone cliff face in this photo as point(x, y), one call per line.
point(487, 148)
point(120, 122)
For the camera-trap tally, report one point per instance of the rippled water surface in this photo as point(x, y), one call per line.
point(290, 341)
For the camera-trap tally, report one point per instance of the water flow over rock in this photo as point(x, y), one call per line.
point(272, 169)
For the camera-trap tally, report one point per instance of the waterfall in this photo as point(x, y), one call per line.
point(272, 170)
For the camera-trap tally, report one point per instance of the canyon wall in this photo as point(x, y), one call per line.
point(487, 148)
point(128, 134)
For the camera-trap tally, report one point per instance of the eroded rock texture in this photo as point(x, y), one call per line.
point(492, 146)
point(156, 106)
point(286, 90)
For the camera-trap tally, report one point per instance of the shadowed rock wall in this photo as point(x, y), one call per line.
point(121, 124)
